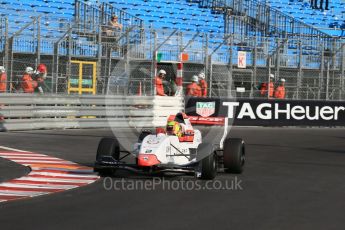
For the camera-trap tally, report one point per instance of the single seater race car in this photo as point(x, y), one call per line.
point(178, 148)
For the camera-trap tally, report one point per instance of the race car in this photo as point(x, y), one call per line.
point(177, 148)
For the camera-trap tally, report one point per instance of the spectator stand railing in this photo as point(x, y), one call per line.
point(87, 18)
point(134, 26)
point(252, 18)
point(92, 20)
point(266, 16)
point(124, 18)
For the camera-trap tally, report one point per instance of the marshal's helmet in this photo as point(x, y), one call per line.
point(42, 68)
point(2, 69)
point(174, 128)
point(42, 71)
point(29, 70)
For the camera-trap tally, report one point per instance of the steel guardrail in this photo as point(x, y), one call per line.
point(28, 112)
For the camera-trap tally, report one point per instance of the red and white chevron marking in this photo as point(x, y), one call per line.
point(48, 175)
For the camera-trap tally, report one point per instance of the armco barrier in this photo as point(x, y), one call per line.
point(27, 112)
point(268, 112)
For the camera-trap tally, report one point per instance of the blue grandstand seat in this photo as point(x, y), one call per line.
point(313, 17)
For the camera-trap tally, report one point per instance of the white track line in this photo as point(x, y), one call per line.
point(45, 186)
point(13, 149)
point(7, 154)
point(21, 193)
point(69, 171)
point(44, 162)
point(29, 158)
point(63, 175)
point(6, 194)
point(43, 179)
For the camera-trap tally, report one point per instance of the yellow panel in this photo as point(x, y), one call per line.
point(80, 88)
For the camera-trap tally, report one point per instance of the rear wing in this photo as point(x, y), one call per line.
point(195, 120)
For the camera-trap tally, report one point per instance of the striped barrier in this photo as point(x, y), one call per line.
point(48, 175)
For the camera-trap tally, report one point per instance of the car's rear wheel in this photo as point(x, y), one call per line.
point(234, 155)
point(209, 167)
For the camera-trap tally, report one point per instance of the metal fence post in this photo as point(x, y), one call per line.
point(255, 56)
point(278, 57)
point(342, 70)
point(268, 66)
point(55, 69)
point(210, 74)
point(99, 59)
point(127, 54)
point(109, 66)
point(206, 62)
point(180, 44)
point(327, 81)
point(6, 51)
point(299, 74)
point(154, 62)
point(109, 60)
point(322, 69)
point(127, 59)
point(334, 54)
point(11, 41)
point(38, 48)
point(229, 82)
point(69, 64)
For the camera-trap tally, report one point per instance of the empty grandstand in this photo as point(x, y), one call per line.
point(291, 40)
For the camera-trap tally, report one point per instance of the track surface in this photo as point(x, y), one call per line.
point(10, 170)
point(294, 180)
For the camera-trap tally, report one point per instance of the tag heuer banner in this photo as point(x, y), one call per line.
point(264, 112)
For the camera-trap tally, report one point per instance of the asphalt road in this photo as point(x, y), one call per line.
point(10, 170)
point(294, 179)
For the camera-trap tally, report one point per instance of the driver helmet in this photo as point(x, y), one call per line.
point(174, 128)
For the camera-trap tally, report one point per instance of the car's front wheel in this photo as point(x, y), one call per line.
point(107, 148)
point(209, 167)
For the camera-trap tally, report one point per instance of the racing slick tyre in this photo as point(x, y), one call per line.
point(107, 147)
point(143, 134)
point(209, 167)
point(234, 155)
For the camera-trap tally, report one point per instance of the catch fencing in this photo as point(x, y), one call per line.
point(125, 65)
